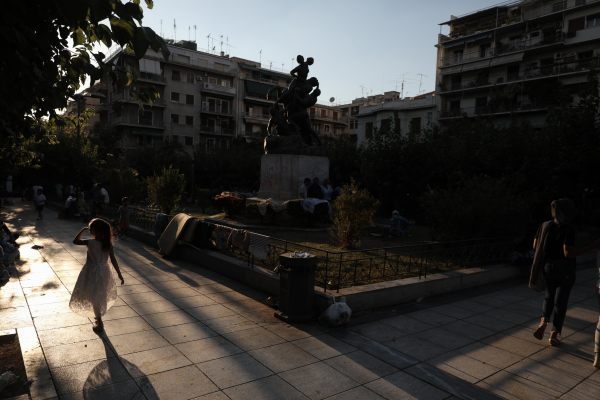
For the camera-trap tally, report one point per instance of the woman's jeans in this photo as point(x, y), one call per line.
point(560, 278)
point(597, 347)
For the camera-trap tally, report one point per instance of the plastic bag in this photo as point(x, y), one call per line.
point(336, 314)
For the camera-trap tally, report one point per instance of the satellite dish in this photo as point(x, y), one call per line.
point(332, 99)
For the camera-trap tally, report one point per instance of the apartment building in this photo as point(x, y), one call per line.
point(88, 102)
point(253, 85)
point(327, 121)
point(196, 103)
point(377, 113)
point(514, 57)
point(350, 116)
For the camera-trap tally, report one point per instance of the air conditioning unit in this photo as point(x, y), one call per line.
point(534, 27)
point(558, 56)
point(219, 102)
point(596, 52)
point(205, 106)
point(199, 77)
point(558, 25)
point(204, 74)
point(206, 86)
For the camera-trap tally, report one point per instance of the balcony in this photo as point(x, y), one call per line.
point(216, 110)
point(99, 108)
point(209, 87)
point(137, 121)
point(125, 96)
point(257, 96)
point(328, 118)
point(261, 79)
point(218, 130)
point(534, 73)
point(146, 76)
point(255, 135)
point(517, 107)
point(257, 116)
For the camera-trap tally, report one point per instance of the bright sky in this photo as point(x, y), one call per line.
point(368, 43)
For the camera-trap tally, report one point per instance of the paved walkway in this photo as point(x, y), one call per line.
point(179, 331)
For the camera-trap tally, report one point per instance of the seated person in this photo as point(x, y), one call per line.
point(303, 189)
point(7, 235)
point(327, 190)
point(315, 191)
point(398, 225)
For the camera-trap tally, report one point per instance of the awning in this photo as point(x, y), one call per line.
point(257, 87)
point(135, 132)
point(476, 65)
point(467, 39)
point(457, 69)
point(262, 71)
point(511, 58)
point(150, 66)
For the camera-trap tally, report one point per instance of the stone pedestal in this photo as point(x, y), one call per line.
point(282, 174)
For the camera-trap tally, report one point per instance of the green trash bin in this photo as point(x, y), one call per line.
point(296, 288)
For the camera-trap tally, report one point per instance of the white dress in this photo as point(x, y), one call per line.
point(95, 285)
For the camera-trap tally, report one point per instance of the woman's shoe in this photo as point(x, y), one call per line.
point(98, 327)
point(597, 362)
point(539, 332)
point(554, 341)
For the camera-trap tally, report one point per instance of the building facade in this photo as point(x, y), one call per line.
point(515, 57)
point(378, 111)
point(327, 121)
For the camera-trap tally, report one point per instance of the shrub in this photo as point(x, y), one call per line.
point(205, 197)
point(123, 183)
point(356, 207)
point(477, 207)
point(165, 190)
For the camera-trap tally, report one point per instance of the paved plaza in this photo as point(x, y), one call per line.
point(179, 331)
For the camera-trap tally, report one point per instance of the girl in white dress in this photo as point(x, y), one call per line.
point(95, 291)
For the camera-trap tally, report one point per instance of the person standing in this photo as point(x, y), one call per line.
point(124, 213)
point(327, 190)
point(34, 196)
point(303, 189)
point(71, 191)
point(40, 200)
point(315, 191)
point(59, 191)
point(104, 199)
point(95, 290)
point(554, 266)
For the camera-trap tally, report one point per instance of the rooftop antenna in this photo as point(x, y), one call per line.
point(161, 31)
point(221, 36)
point(189, 33)
point(421, 80)
point(260, 56)
point(195, 32)
point(362, 90)
point(208, 43)
point(175, 30)
point(282, 64)
point(270, 64)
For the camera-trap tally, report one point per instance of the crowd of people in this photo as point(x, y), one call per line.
point(315, 190)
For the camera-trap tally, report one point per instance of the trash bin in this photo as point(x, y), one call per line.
point(296, 288)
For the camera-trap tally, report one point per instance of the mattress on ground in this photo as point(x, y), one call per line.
point(169, 238)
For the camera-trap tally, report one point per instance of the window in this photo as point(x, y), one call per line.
point(455, 105)
point(354, 111)
point(323, 113)
point(226, 83)
point(174, 118)
point(190, 78)
point(580, 2)
point(559, 6)
point(535, 34)
point(456, 82)
point(212, 81)
point(592, 21)
point(353, 124)
point(385, 125)
point(326, 128)
point(202, 63)
point(338, 131)
point(481, 105)
point(484, 49)
point(175, 75)
point(189, 140)
point(189, 120)
point(415, 124)
point(189, 99)
point(458, 56)
point(315, 127)
point(210, 144)
point(220, 67)
point(144, 140)
point(147, 118)
point(175, 139)
point(514, 43)
point(175, 97)
point(369, 129)
point(312, 112)
point(576, 24)
point(513, 73)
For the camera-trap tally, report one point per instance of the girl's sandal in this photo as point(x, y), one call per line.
point(555, 342)
point(597, 362)
point(98, 328)
point(539, 332)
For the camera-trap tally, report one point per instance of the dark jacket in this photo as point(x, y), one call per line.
point(315, 192)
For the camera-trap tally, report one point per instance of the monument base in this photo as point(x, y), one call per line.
point(282, 174)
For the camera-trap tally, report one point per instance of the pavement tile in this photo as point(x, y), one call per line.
point(208, 349)
point(282, 357)
point(269, 388)
point(513, 344)
point(119, 312)
point(186, 332)
point(145, 297)
point(548, 376)
point(431, 317)
point(416, 347)
point(210, 312)
point(234, 370)
point(88, 375)
point(76, 353)
point(468, 329)
point(153, 361)
point(323, 346)
point(182, 383)
point(489, 322)
point(123, 326)
point(167, 285)
point(358, 393)
point(122, 390)
point(445, 338)
point(361, 367)
point(48, 298)
point(154, 307)
point(463, 367)
point(490, 355)
point(318, 381)
point(291, 332)
point(71, 334)
point(472, 306)
point(169, 318)
point(510, 387)
point(177, 293)
point(228, 297)
point(193, 301)
point(575, 364)
point(378, 331)
point(136, 342)
point(588, 389)
point(508, 316)
point(131, 289)
point(404, 386)
point(215, 288)
point(252, 339)
point(453, 311)
point(59, 321)
point(38, 310)
point(406, 324)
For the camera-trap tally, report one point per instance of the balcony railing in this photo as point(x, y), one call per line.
point(251, 134)
point(546, 70)
point(217, 130)
point(217, 110)
point(147, 76)
point(519, 106)
point(125, 96)
point(479, 54)
point(137, 121)
point(329, 118)
point(258, 96)
point(218, 88)
point(262, 79)
point(256, 115)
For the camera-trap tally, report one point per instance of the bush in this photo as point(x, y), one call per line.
point(356, 208)
point(205, 197)
point(165, 190)
point(477, 207)
point(123, 183)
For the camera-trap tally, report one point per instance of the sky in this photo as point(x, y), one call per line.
point(360, 47)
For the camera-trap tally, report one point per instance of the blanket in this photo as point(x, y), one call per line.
point(259, 245)
point(309, 205)
point(238, 238)
point(222, 236)
point(173, 233)
point(277, 206)
point(190, 230)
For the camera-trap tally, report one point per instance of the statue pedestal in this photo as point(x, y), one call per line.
point(282, 174)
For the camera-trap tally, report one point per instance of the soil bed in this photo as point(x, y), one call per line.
point(12, 360)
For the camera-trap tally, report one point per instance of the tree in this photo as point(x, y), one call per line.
point(42, 71)
point(165, 190)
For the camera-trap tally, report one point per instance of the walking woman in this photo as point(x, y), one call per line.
point(554, 266)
